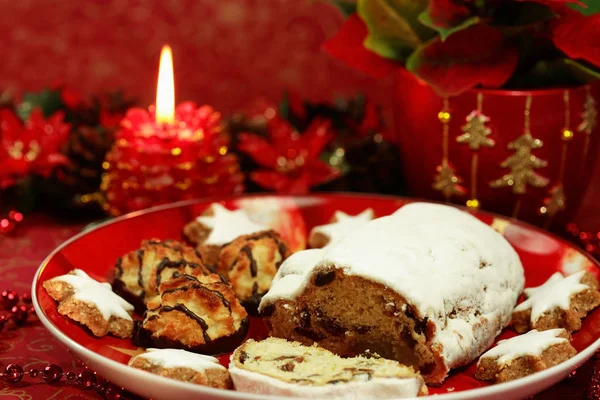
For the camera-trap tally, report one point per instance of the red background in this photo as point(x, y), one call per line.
point(227, 52)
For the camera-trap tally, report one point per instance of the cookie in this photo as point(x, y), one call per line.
point(91, 303)
point(524, 355)
point(341, 225)
point(139, 273)
point(561, 302)
point(193, 315)
point(183, 366)
point(279, 367)
point(250, 263)
point(216, 227)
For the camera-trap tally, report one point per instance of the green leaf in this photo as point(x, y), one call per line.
point(582, 72)
point(394, 28)
point(49, 101)
point(593, 7)
point(425, 19)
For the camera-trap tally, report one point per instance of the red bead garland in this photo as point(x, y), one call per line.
point(53, 374)
point(9, 301)
point(20, 308)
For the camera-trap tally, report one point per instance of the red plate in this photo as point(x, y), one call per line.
point(96, 251)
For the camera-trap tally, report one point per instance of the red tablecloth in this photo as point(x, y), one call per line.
point(33, 347)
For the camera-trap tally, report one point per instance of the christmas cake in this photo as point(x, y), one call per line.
point(138, 273)
point(183, 366)
point(341, 225)
point(429, 286)
point(524, 355)
point(278, 367)
point(216, 227)
point(250, 262)
point(192, 315)
point(91, 303)
point(561, 302)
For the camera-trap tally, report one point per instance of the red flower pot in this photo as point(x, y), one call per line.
point(532, 168)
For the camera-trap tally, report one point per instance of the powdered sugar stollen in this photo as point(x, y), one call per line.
point(458, 272)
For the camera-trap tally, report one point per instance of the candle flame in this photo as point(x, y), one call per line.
point(165, 91)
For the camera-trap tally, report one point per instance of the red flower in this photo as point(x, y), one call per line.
point(30, 148)
point(291, 160)
point(578, 36)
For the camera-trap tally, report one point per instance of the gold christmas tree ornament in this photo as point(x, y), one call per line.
point(476, 134)
point(522, 166)
point(523, 163)
point(446, 181)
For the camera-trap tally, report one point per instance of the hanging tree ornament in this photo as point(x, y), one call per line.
point(446, 180)
point(557, 201)
point(588, 122)
point(523, 163)
point(476, 134)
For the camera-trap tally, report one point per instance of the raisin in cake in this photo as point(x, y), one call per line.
point(276, 366)
point(183, 366)
point(430, 286)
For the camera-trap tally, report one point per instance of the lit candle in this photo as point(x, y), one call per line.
point(165, 89)
point(168, 153)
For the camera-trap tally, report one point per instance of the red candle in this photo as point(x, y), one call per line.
point(168, 153)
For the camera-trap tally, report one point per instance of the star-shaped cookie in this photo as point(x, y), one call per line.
point(561, 302)
point(342, 224)
point(91, 303)
point(525, 354)
point(226, 225)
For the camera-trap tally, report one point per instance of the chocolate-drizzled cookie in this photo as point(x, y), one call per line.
point(189, 314)
point(250, 262)
point(139, 273)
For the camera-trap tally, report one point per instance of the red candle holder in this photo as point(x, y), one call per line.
point(154, 163)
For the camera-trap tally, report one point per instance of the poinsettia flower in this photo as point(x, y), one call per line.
point(33, 147)
point(477, 55)
point(290, 160)
point(578, 36)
